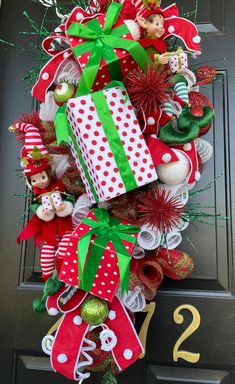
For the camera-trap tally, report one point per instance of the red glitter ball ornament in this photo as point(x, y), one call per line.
point(160, 209)
point(149, 90)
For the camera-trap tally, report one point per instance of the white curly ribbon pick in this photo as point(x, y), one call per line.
point(133, 300)
point(53, 3)
point(149, 237)
point(94, 8)
point(138, 252)
point(81, 209)
point(89, 361)
point(107, 336)
point(108, 340)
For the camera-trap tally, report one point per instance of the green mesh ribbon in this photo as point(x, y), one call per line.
point(106, 229)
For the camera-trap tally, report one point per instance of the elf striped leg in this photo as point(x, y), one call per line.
point(167, 108)
point(47, 260)
point(182, 91)
point(63, 245)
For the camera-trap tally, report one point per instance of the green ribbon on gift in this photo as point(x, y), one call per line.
point(112, 136)
point(106, 229)
point(61, 125)
point(114, 140)
point(101, 44)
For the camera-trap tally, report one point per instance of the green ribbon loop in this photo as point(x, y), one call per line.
point(101, 44)
point(62, 125)
point(106, 229)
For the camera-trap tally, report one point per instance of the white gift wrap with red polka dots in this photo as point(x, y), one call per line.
point(107, 277)
point(178, 62)
point(51, 201)
point(95, 148)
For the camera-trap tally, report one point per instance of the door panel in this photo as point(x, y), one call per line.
point(166, 375)
point(210, 289)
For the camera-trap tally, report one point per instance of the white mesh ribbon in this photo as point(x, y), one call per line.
point(60, 165)
point(149, 237)
point(138, 252)
point(81, 209)
point(105, 205)
point(69, 72)
point(204, 149)
point(49, 108)
point(47, 344)
point(180, 191)
point(172, 240)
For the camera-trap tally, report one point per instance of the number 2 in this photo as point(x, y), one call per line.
point(196, 321)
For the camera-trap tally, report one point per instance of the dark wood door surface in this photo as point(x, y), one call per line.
point(199, 346)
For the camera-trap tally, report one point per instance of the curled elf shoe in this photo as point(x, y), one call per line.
point(188, 126)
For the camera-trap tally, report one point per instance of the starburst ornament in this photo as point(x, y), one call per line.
point(148, 90)
point(161, 210)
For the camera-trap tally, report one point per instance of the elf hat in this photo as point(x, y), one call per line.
point(31, 137)
point(35, 163)
point(34, 156)
point(149, 7)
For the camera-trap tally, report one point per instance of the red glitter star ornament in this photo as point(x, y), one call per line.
point(160, 209)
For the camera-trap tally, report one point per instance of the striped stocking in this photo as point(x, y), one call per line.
point(63, 244)
point(167, 108)
point(182, 91)
point(47, 260)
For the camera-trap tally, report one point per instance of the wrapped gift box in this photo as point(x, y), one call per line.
point(103, 47)
point(107, 276)
point(107, 144)
point(178, 62)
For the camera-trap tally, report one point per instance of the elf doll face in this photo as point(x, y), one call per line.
point(40, 180)
point(153, 26)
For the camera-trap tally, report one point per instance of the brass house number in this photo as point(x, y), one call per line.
point(196, 321)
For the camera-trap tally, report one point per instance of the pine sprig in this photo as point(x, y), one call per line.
point(109, 378)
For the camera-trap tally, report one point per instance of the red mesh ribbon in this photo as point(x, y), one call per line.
point(175, 264)
point(148, 274)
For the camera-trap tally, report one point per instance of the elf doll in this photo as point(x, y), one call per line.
point(52, 217)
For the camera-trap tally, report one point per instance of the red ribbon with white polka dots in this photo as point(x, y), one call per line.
point(68, 345)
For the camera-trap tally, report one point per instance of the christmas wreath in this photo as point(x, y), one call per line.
point(110, 159)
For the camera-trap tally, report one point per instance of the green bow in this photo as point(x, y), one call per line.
point(101, 44)
point(188, 127)
point(106, 229)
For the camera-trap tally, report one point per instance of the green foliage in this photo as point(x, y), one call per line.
point(109, 378)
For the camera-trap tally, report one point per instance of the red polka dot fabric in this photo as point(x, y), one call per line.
point(95, 148)
point(103, 77)
point(107, 277)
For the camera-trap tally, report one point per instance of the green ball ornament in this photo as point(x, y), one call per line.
point(64, 92)
point(94, 311)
